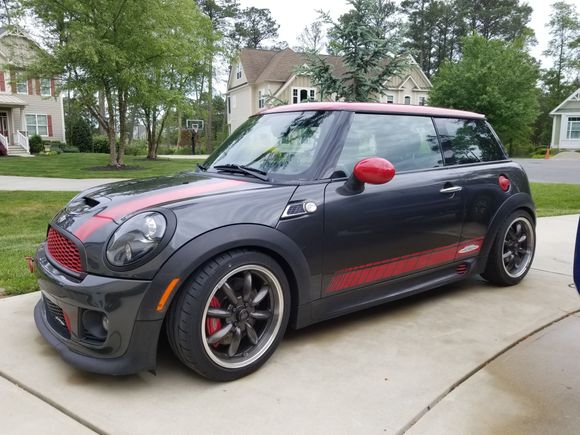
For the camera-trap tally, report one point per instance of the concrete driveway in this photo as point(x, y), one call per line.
point(424, 365)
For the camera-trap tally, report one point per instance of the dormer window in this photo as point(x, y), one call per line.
point(21, 84)
point(303, 95)
point(239, 71)
point(45, 88)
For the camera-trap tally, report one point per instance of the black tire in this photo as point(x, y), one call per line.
point(189, 321)
point(503, 271)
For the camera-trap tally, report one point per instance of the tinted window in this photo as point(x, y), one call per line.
point(408, 142)
point(467, 141)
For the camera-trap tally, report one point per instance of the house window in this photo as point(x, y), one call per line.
point(261, 100)
point(229, 102)
point(301, 95)
point(422, 101)
point(407, 99)
point(37, 124)
point(45, 87)
point(390, 99)
point(239, 71)
point(21, 84)
point(573, 131)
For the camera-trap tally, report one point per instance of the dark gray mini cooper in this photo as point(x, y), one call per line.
point(306, 212)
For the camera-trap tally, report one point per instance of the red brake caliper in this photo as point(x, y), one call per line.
point(212, 324)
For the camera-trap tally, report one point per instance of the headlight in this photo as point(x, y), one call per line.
point(135, 238)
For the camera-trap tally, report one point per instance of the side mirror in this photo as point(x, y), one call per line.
point(372, 170)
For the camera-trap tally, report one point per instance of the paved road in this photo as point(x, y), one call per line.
point(384, 370)
point(8, 182)
point(554, 170)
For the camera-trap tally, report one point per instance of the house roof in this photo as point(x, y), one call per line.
point(575, 96)
point(401, 109)
point(278, 66)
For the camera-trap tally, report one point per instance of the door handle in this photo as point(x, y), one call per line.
point(452, 189)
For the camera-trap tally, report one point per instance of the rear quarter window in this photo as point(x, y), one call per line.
point(467, 141)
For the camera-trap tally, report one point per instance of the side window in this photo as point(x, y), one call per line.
point(408, 142)
point(467, 141)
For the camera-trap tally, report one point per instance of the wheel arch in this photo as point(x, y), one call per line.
point(201, 249)
point(518, 201)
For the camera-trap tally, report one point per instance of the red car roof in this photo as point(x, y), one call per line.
point(401, 109)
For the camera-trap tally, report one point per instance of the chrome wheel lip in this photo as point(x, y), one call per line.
point(529, 254)
point(272, 330)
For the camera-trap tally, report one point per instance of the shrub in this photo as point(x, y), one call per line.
point(36, 145)
point(70, 149)
point(137, 148)
point(80, 135)
point(165, 150)
point(101, 144)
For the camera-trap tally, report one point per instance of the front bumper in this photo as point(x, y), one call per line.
point(130, 346)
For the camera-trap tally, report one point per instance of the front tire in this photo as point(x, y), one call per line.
point(232, 315)
point(513, 250)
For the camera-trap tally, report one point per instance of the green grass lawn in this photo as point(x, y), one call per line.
point(79, 165)
point(24, 216)
point(556, 199)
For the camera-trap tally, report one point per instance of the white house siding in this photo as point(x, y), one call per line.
point(241, 106)
point(561, 115)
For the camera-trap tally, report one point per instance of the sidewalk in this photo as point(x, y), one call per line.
point(51, 184)
point(441, 362)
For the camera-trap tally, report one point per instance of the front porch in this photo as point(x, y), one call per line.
point(13, 136)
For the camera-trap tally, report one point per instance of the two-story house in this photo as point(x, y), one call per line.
point(258, 78)
point(28, 106)
point(566, 123)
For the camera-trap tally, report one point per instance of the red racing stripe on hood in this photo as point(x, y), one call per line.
point(131, 206)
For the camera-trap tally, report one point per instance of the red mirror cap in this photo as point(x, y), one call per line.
point(374, 170)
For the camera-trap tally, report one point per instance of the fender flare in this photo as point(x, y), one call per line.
point(517, 201)
point(191, 256)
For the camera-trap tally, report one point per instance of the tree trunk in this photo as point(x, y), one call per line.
point(122, 99)
point(209, 127)
point(111, 133)
point(102, 111)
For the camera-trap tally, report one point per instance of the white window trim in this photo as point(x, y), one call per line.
point(43, 94)
point(405, 99)
point(261, 99)
point(298, 89)
point(239, 71)
point(569, 121)
point(392, 97)
point(20, 81)
point(36, 115)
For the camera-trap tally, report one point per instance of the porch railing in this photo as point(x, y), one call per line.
point(21, 140)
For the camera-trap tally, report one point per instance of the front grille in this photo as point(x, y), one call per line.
point(56, 318)
point(63, 251)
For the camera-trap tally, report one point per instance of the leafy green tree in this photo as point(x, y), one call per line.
point(10, 12)
point(366, 39)
point(105, 46)
point(496, 78)
point(253, 26)
point(563, 46)
point(221, 14)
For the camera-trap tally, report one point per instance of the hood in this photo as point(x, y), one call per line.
point(103, 205)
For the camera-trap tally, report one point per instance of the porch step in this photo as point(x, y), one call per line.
point(16, 151)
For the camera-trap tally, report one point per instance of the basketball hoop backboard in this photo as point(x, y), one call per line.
point(194, 124)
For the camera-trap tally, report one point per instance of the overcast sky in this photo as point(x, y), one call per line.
point(293, 15)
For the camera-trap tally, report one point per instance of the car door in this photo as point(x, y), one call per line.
point(410, 224)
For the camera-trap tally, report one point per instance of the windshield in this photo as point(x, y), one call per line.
point(281, 145)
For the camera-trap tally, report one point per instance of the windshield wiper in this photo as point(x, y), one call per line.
point(242, 169)
point(202, 167)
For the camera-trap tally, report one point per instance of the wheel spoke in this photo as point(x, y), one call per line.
point(219, 335)
point(218, 312)
point(252, 335)
point(507, 254)
point(518, 229)
point(261, 295)
point(235, 344)
point(247, 286)
point(523, 238)
point(261, 315)
point(230, 293)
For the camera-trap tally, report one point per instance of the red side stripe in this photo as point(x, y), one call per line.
point(384, 269)
point(116, 212)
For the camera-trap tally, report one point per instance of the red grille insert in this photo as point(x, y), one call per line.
point(63, 251)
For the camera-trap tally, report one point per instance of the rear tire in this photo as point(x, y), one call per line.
point(513, 250)
point(231, 316)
